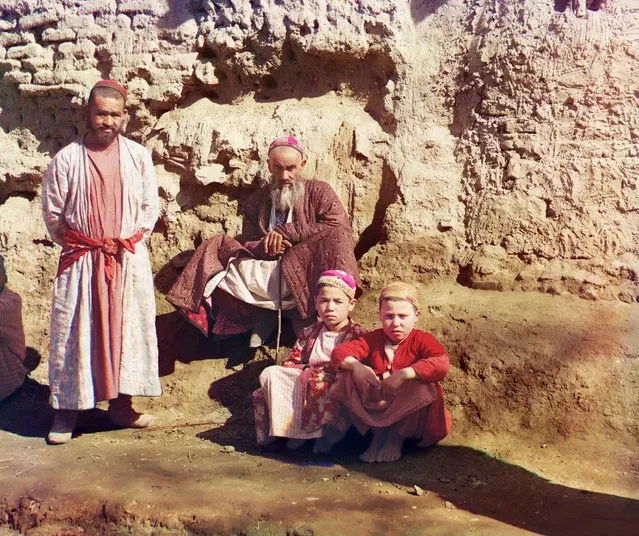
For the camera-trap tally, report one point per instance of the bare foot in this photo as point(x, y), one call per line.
point(294, 444)
point(327, 441)
point(377, 406)
point(392, 448)
point(379, 438)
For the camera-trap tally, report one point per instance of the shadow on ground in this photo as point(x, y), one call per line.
point(466, 479)
point(478, 483)
point(179, 341)
point(27, 413)
point(234, 392)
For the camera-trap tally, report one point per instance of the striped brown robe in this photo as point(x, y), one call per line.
point(12, 346)
point(321, 236)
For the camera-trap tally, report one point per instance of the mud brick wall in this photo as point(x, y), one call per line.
point(491, 142)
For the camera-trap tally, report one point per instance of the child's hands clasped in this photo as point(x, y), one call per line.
point(364, 375)
point(391, 385)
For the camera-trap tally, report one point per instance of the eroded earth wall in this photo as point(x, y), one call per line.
point(493, 141)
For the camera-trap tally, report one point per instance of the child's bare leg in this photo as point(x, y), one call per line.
point(294, 444)
point(325, 443)
point(392, 448)
point(379, 438)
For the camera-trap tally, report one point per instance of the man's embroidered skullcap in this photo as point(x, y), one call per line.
point(287, 141)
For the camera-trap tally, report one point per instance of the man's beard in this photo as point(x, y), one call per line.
point(102, 137)
point(284, 199)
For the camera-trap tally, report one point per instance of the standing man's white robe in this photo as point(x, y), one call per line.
point(65, 203)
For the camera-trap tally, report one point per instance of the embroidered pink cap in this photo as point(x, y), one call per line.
point(113, 85)
point(287, 141)
point(339, 279)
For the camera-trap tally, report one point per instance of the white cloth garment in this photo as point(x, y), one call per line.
point(283, 390)
point(65, 203)
point(254, 281)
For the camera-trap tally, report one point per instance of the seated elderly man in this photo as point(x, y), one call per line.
point(12, 347)
point(293, 230)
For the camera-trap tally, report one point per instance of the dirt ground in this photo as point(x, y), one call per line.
point(527, 455)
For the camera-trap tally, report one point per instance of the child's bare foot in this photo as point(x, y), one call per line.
point(392, 448)
point(379, 438)
point(327, 441)
point(294, 444)
point(378, 406)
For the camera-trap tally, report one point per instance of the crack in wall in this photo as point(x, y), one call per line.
point(388, 194)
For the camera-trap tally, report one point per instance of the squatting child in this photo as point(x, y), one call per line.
point(387, 379)
point(293, 400)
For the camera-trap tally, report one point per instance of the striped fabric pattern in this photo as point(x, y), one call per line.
point(65, 204)
point(12, 345)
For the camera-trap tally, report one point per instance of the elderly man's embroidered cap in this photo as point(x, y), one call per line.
point(113, 85)
point(287, 141)
point(400, 291)
point(339, 279)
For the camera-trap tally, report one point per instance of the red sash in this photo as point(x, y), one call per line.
point(77, 244)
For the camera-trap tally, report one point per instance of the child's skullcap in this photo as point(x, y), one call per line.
point(400, 291)
point(339, 279)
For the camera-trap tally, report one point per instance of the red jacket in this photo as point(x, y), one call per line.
point(419, 350)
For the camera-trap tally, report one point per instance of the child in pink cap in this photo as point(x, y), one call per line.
point(293, 399)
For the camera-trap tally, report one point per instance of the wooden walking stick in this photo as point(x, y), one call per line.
point(279, 311)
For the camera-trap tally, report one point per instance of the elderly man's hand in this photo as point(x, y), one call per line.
point(275, 244)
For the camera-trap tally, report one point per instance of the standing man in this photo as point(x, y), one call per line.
point(99, 201)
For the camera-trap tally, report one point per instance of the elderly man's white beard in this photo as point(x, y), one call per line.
point(284, 199)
